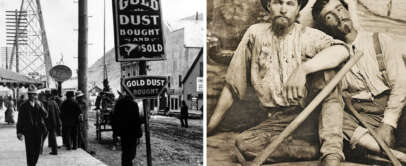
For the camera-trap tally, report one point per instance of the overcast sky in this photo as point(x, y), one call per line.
point(60, 18)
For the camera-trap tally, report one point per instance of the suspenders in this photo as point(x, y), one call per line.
point(380, 58)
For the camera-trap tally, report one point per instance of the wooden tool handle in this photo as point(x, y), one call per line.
point(378, 139)
point(259, 160)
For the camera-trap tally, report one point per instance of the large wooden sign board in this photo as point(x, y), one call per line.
point(144, 87)
point(138, 30)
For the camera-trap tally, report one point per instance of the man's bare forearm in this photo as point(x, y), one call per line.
point(328, 58)
point(223, 105)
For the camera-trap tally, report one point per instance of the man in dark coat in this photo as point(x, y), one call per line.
point(55, 96)
point(53, 123)
point(70, 112)
point(31, 125)
point(127, 125)
point(184, 113)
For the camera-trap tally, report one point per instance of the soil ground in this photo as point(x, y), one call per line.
point(170, 144)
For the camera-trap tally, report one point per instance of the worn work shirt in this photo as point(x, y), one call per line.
point(265, 60)
point(364, 81)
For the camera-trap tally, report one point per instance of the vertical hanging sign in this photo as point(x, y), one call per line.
point(138, 30)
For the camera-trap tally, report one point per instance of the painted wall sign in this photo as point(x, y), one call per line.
point(144, 86)
point(60, 73)
point(138, 30)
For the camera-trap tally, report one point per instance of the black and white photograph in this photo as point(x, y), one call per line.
point(306, 82)
point(102, 82)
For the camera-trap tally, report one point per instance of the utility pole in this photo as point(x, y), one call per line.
point(6, 58)
point(146, 106)
point(82, 59)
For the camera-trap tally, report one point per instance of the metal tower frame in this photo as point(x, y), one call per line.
point(32, 58)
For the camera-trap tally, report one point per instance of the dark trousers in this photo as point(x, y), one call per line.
point(183, 121)
point(71, 134)
point(52, 140)
point(33, 143)
point(128, 150)
point(64, 136)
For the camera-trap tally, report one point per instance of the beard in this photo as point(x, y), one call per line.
point(280, 25)
point(339, 31)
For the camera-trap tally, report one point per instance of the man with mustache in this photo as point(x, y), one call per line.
point(265, 58)
point(376, 85)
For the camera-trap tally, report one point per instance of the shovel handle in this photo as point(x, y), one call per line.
point(259, 160)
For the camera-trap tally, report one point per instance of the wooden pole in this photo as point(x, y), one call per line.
point(6, 58)
point(59, 88)
point(259, 160)
point(378, 139)
point(82, 59)
point(146, 105)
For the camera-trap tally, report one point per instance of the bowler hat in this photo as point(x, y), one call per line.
point(32, 89)
point(302, 4)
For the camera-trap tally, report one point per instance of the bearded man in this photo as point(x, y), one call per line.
point(376, 85)
point(265, 58)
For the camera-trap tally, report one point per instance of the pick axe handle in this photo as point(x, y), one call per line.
point(378, 139)
point(306, 112)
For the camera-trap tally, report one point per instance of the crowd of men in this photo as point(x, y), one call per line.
point(45, 115)
point(288, 63)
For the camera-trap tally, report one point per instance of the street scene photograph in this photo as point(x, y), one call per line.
point(102, 82)
point(306, 82)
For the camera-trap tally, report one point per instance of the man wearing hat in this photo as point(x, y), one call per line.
point(126, 123)
point(264, 60)
point(70, 112)
point(31, 125)
point(53, 122)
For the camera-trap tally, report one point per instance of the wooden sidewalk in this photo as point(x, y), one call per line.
point(12, 151)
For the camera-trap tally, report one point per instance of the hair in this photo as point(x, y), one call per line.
point(70, 94)
point(319, 21)
point(54, 92)
point(48, 93)
point(265, 4)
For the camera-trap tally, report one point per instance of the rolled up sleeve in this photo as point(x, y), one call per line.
point(316, 41)
point(237, 77)
point(396, 71)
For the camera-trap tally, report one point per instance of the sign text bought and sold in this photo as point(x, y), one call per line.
point(138, 30)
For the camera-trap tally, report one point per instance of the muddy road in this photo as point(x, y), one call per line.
point(170, 144)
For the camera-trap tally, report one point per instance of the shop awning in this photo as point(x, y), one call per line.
point(12, 79)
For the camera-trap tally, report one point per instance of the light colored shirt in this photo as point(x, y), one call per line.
point(265, 61)
point(364, 81)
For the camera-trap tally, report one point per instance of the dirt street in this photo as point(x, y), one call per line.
point(170, 144)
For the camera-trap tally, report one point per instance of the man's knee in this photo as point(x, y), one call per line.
point(250, 143)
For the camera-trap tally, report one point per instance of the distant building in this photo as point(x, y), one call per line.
point(130, 69)
point(184, 39)
point(193, 84)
